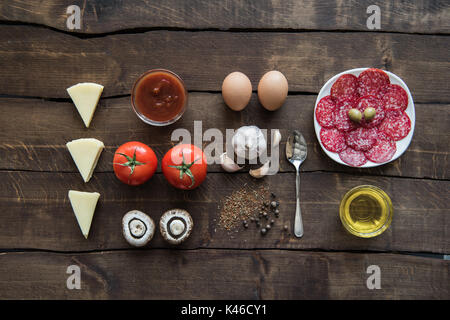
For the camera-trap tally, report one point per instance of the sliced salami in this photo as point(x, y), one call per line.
point(383, 150)
point(353, 157)
point(371, 102)
point(332, 139)
point(325, 112)
point(346, 86)
point(371, 81)
point(396, 125)
point(394, 97)
point(341, 119)
point(361, 139)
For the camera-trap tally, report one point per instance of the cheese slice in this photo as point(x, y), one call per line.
point(83, 205)
point(85, 154)
point(85, 96)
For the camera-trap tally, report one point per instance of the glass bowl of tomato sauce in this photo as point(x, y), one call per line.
point(159, 97)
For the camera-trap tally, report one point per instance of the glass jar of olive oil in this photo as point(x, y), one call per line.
point(366, 211)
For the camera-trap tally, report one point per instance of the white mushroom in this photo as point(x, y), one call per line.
point(228, 164)
point(176, 225)
point(249, 142)
point(138, 228)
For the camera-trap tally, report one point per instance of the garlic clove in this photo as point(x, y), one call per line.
point(228, 164)
point(261, 171)
point(276, 138)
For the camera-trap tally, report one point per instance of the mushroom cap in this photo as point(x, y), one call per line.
point(138, 228)
point(176, 225)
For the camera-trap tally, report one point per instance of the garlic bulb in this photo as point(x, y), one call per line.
point(249, 142)
point(261, 171)
point(228, 164)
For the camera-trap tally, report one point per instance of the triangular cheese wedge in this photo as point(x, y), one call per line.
point(83, 205)
point(85, 96)
point(85, 153)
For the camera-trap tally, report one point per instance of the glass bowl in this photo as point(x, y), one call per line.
point(366, 211)
point(138, 111)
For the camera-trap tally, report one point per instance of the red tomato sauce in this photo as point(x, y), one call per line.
point(159, 96)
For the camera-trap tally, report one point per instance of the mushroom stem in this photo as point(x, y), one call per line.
point(137, 228)
point(176, 227)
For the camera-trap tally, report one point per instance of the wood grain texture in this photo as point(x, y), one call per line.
point(113, 15)
point(203, 59)
point(180, 274)
point(36, 213)
point(36, 139)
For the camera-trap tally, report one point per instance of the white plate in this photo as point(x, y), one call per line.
point(402, 145)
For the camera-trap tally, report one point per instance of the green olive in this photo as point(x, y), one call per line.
point(369, 113)
point(355, 115)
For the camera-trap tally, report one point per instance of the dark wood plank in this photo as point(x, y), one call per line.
point(107, 15)
point(43, 63)
point(169, 274)
point(36, 139)
point(36, 212)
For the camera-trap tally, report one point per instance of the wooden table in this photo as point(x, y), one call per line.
point(309, 41)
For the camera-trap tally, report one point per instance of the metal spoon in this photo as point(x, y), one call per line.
point(296, 152)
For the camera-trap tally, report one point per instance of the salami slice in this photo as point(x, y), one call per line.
point(332, 139)
point(371, 81)
point(341, 119)
point(325, 112)
point(396, 125)
point(383, 150)
point(353, 157)
point(372, 102)
point(361, 139)
point(394, 97)
point(346, 86)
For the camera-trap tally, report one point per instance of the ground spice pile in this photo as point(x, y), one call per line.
point(241, 205)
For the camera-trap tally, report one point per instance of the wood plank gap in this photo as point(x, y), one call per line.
point(6, 170)
point(430, 255)
point(139, 30)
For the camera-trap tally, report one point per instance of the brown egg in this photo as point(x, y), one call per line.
point(272, 90)
point(236, 90)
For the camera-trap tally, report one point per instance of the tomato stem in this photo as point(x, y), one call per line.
point(185, 169)
point(131, 162)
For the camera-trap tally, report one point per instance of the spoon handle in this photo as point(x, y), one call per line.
point(298, 223)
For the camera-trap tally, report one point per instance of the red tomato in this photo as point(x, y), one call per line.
point(184, 166)
point(134, 163)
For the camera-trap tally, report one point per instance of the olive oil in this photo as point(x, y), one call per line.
point(366, 211)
